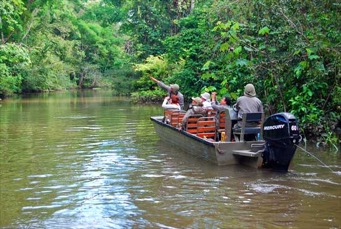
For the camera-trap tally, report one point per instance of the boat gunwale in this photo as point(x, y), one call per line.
point(222, 151)
point(158, 121)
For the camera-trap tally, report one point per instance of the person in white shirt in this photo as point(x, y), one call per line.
point(206, 101)
point(171, 89)
point(171, 102)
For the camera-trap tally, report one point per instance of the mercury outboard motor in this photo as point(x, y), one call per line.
point(281, 134)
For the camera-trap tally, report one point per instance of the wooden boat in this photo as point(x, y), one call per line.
point(275, 151)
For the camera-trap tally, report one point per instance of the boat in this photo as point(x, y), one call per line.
point(273, 148)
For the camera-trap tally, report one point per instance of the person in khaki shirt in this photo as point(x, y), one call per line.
point(248, 103)
point(195, 108)
point(171, 89)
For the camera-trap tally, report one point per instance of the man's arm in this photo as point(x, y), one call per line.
point(217, 107)
point(184, 120)
point(153, 79)
point(214, 98)
point(161, 84)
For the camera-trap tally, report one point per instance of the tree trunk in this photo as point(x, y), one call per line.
point(81, 79)
point(192, 5)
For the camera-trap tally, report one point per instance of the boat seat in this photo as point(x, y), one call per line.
point(176, 118)
point(206, 127)
point(192, 123)
point(167, 115)
point(181, 116)
point(245, 153)
point(173, 117)
point(251, 124)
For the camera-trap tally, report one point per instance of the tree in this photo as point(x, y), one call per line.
point(292, 58)
point(10, 19)
point(13, 59)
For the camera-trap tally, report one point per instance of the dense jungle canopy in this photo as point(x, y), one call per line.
point(289, 49)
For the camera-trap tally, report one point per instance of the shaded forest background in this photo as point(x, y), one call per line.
point(289, 49)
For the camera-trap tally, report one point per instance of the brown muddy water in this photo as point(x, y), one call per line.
point(91, 160)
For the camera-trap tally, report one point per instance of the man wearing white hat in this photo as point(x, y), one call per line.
point(171, 89)
point(206, 100)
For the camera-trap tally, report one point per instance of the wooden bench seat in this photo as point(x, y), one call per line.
point(206, 127)
point(173, 117)
point(192, 123)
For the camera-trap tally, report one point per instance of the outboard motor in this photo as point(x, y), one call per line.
point(281, 134)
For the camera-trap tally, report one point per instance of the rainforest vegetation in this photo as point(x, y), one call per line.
point(289, 49)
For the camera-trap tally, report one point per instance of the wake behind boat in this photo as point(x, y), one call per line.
point(203, 137)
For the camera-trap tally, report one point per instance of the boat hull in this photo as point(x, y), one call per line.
point(220, 153)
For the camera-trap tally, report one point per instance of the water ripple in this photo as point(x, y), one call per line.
point(99, 164)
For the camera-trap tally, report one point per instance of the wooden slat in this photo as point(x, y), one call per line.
point(206, 122)
point(192, 124)
point(207, 127)
point(173, 117)
point(180, 117)
point(221, 121)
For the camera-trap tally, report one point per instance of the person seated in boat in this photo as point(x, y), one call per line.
point(248, 103)
point(206, 100)
point(196, 107)
point(171, 102)
point(171, 89)
point(225, 103)
point(171, 105)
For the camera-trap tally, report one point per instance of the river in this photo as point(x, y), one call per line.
point(87, 159)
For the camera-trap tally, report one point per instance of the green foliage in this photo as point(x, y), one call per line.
point(102, 46)
point(159, 67)
point(10, 21)
point(292, 58)
point(13, 60)
point(106, 14)
point(150, 22)
point(156, 64)
point(192, 47)
point(122, 82)
point(290, 51)
point(71, 43)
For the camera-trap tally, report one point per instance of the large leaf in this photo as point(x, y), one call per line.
point(263, 31)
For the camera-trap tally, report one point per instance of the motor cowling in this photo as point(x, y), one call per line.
point(281, 134)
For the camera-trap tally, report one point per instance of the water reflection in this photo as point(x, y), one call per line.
point(100, 199)
point(90, 160)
